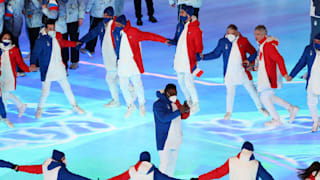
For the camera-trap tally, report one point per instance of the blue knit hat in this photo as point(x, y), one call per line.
point(248, 146)
point(145, 156)
point(122, 19)
point(109, 10)
point(188, 9)
point(57, 155)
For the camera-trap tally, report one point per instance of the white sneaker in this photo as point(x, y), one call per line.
point(8, 123)
point(293, 110)
point(227, 116)
point(273, 123)
point(130, 110)
point(112, 104)
point(264, 112)
point(195, 108)
point(39, 113)
point(315, 127)
point(142, 110)
point(21, 110)
point(77, 109)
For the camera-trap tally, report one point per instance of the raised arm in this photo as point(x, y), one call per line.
point(147, 36)
point(32, 169)
point(92, 34)
point(216, 53)
point(217, 173)
point(301, 63)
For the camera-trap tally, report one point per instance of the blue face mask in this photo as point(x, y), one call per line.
point(6, 42)
point(118, 29)
point(316, 46)
point(183, 18)
point(105, 20)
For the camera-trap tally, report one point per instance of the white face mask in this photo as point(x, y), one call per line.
point(6, 42)
point(65, 161)
point(173, 99)
point(52, 34)
point(231, 37)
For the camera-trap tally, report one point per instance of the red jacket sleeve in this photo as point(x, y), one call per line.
point(33, 169)
point(65, 43)
point(19, 60)
point(147, 36)
point(183, 115)
point(125, 175)
point(273, 53)
point(217, 173)
point(198, 41)
point(250, 49)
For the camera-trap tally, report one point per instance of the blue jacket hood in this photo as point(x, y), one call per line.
point(162, 96)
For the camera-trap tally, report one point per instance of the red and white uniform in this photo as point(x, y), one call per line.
point(271, 67)
point(9, 60)
point(130, 64)
point(271, 64)
point(185, 61)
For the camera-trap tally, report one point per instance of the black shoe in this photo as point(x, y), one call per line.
point(152, 19)
point(139, 22)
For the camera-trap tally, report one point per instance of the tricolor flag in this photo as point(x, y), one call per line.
point(53, 5)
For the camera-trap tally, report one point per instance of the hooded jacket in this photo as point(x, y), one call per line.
point(135, 36)
point(194, 41)
point(143, 170)
point(308, 57)
point(51, 170)
point(272, 59)
point(43, 49)
point(224, 48)
point(15, 60)
point(241, 167)
point(163, 116)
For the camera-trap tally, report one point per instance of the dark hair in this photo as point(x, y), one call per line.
point(261, 28)
point(169, 86)
point(233, 27)
point(305, 173)
point(11, 36)
point(49, 21)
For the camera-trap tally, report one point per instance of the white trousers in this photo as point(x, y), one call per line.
point(126, 89)
point(268, 99)
point(313, 105)
point(112, 80)
point(231, 90)
point(64, 84)
point(168, 160)
point(7, 95)
point(187, 86)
